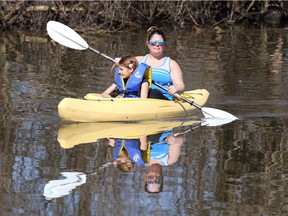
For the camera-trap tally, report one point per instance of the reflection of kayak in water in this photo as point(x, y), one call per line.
point(98, 109)
point(74, 134)
point(62, 187)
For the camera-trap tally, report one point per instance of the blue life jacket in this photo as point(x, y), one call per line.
point(132, 146)
point(133, 86)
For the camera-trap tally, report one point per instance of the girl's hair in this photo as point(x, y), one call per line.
point(129, 62)
point(124, 167)
point(155, 30)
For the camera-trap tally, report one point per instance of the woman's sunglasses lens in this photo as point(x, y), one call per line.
point(154, 42)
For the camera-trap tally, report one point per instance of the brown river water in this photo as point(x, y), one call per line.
point(237, 168)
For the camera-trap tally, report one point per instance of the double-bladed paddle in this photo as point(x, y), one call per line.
point(68, 37)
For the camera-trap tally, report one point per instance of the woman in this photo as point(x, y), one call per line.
point(164, 150)
point(165, 71)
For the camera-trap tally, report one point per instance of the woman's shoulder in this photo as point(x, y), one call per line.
point(173, 62)
point(142, 58)
point(139, 58)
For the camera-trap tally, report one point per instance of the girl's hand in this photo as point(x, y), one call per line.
point(105, 95)
point(111, 142)
point(116, 60)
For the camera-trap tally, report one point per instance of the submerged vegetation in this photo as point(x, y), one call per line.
point(116, 15)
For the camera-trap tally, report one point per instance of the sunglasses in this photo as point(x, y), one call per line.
point(154, 42)
point(154, 181)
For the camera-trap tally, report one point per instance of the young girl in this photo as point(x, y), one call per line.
point(127, 153)
point(130, 79)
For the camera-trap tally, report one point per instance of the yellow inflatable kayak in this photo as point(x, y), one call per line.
point(80, 133)
point(95, 108)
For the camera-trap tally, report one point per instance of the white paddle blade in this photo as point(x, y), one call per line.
point(66, 36)
point(216, 113)
point(63, 187)
point(212, 122)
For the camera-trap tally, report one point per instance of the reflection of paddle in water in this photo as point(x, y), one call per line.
point(62, 187)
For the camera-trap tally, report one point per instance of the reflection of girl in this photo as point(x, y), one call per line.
point(127, 154)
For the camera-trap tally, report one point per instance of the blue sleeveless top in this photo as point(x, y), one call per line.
point(160, 151)
point(161, 75)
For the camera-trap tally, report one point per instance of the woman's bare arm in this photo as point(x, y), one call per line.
point(177, 78)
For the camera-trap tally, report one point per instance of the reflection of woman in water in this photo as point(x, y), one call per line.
point(127, 153)
point(164, 150)
point(154, 151)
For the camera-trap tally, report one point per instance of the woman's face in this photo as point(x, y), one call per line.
point(153, 178)
point(156, 44)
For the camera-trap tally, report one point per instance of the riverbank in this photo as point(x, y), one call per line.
point(117, 15)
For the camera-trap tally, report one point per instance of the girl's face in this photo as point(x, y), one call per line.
point(125, 72)
point(156, 44)
point(123, 159)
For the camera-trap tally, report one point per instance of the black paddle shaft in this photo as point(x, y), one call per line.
point(192, 103)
